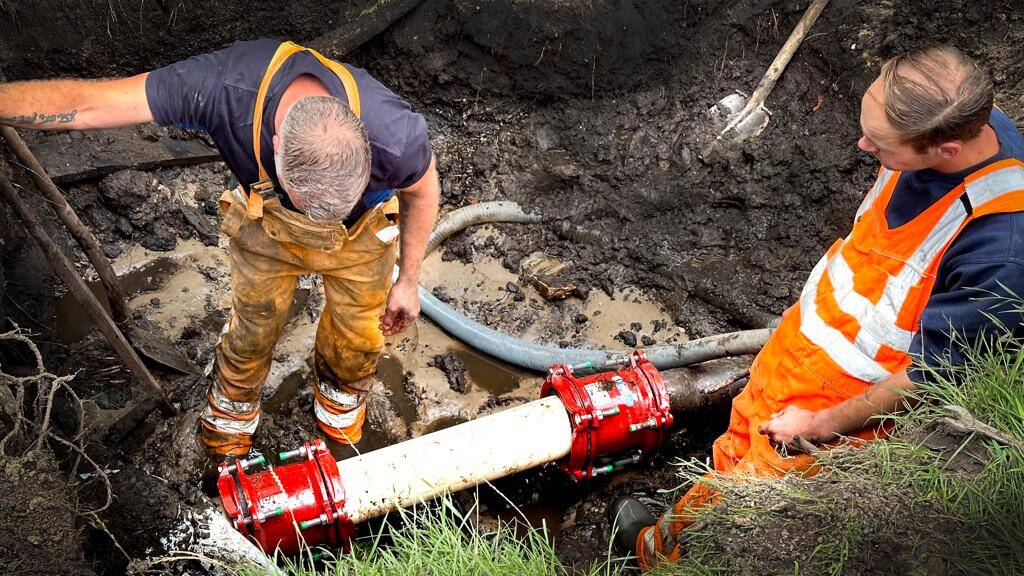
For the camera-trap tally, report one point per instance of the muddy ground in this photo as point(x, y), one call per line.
point(592, 114)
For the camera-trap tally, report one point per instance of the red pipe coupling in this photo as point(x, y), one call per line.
point(618, 417)
point(278, 507)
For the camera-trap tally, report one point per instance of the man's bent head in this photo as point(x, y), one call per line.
point(924, 108)
point(323, 157)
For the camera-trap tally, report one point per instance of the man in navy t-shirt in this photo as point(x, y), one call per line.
point(327, 158)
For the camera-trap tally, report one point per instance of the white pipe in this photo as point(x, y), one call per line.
point(455, 458)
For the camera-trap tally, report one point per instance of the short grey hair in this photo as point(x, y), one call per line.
point(936, 94)
point(324, 160)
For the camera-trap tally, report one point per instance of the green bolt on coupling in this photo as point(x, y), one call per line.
point(616, 465)
point(586, 366)
point(318, 521)
point(266, 515)
point(614, 411)
point(245, 464)
point(299, 452)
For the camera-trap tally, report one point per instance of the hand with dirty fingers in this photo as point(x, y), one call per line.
point(792, 424)
point(402, 309)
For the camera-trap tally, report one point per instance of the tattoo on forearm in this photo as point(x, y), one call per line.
point(38, 118)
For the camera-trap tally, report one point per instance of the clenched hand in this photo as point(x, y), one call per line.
point(403, 308)
point(792, 421)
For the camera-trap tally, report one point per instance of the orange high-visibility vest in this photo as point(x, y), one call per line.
point(858, 312)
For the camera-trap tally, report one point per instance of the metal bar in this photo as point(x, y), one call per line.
point(63, 269)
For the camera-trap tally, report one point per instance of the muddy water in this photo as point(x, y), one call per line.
point(443, 422)
point(391, 373)
point(285, 392)
point(491, 375)
point(73, 323)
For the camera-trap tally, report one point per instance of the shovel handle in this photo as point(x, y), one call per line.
point(771, 76)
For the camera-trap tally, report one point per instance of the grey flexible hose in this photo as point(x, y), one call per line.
point(539, 356)
point(485, 212)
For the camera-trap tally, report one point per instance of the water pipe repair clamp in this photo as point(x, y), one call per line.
point(618, 418)
point(274, 506)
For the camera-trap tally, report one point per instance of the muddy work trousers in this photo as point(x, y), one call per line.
point(270, 246)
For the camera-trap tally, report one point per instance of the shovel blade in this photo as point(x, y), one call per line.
point(158, 348)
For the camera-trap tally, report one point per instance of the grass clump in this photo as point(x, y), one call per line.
point(439, 540)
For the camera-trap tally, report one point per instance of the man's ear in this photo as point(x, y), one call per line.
point(946, 149)
point(277, 143)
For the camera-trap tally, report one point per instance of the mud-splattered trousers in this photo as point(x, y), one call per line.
point(270, 246)
point(851, 328)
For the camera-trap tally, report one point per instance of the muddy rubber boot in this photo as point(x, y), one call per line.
point(627, 517)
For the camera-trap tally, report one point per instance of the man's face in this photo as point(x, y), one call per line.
point(880, 138)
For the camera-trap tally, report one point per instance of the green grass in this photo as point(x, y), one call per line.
point(440, 541)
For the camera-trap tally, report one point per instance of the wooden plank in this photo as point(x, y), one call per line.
point(70, 157)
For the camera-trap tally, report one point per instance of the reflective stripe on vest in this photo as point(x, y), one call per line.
point(340, 398)
point(979, 195)
point(217, 397)
point(884, 176)
point(228, 425)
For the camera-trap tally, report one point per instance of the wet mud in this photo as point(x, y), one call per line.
point(592, 114)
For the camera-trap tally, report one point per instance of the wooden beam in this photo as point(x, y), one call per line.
point(70, 157)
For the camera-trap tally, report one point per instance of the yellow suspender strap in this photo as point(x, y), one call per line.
point(284, 51)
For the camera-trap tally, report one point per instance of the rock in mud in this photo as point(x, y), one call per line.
point(551, 277)
point(454, 369)
point(626, 337)
point(459, 247)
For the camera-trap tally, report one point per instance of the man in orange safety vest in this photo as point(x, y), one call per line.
point(943, 221)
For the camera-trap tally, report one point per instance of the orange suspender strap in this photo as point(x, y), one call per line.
point(284, 51)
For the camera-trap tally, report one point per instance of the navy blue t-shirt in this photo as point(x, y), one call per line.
point(987, 257)
point(216, 93)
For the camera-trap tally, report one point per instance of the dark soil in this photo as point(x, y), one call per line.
point(39, 508)
point(831, 522)
point(591, 113)
point(135, 207)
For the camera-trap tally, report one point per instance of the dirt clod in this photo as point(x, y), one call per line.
point(455, 370)
point(626, 337)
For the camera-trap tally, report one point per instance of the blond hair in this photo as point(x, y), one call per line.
point(936, 94)
point(324, 157)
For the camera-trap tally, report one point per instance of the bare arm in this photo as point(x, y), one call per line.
point(418, 208)
point(419, 204)
point(75, 104)
point(885, 397)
